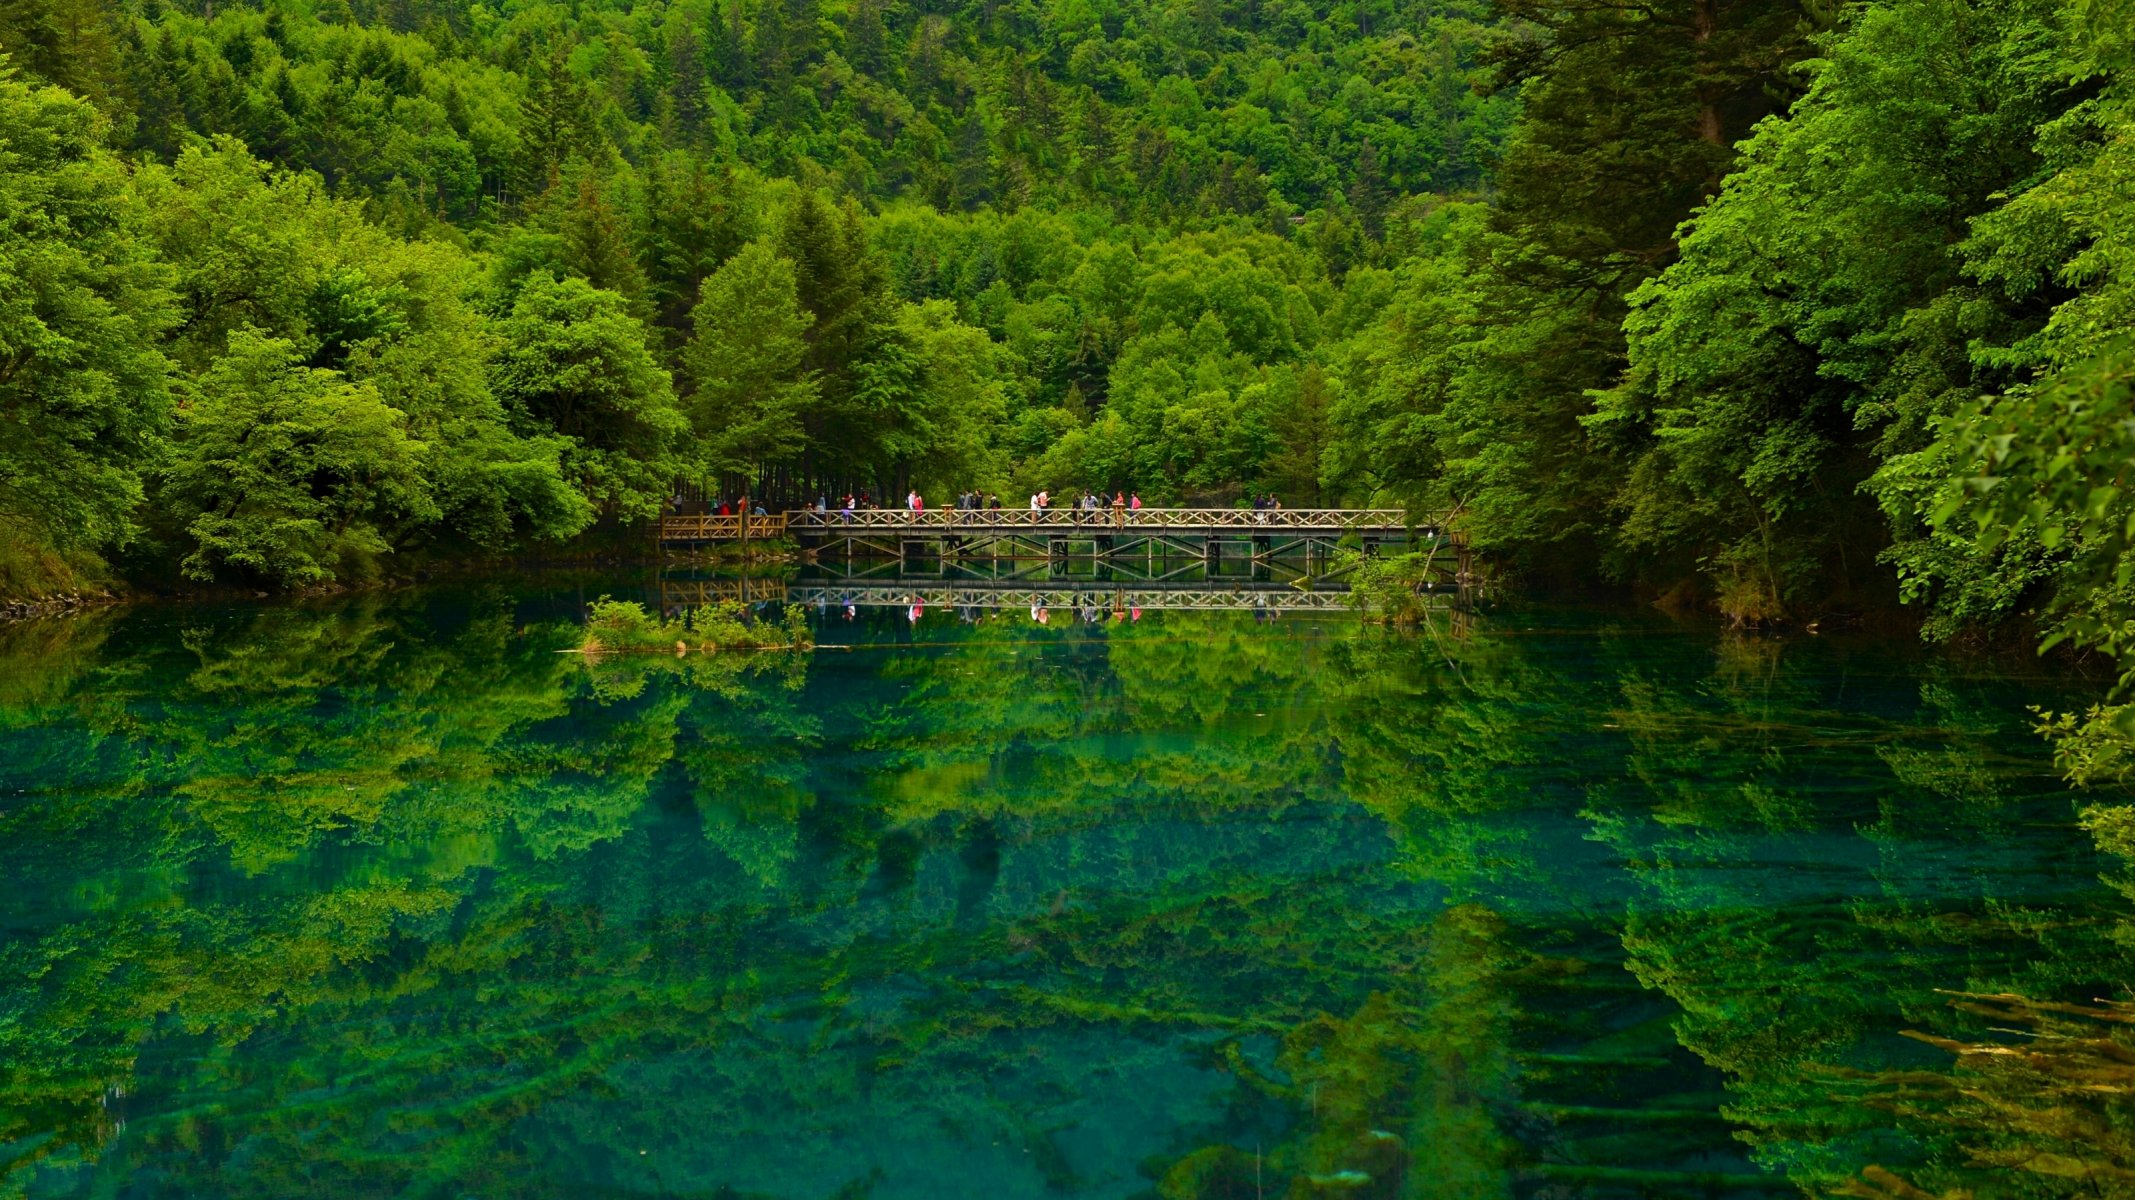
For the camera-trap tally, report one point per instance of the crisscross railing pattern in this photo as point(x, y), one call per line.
point(713, 527)
point(1322, 519)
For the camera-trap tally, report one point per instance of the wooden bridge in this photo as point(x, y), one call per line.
point(1108, 534)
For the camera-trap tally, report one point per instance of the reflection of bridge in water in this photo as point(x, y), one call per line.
point(1263, 595)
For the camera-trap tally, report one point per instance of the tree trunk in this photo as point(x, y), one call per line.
point(1704, 22)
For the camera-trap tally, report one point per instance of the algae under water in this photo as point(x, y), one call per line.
point(385, 896)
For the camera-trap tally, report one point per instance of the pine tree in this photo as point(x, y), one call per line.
point(686, 78)
point(556, 125)
point(1368, 192)
point(840, 281)
point(771, 53)
point(973, 171)
point(75, 44)
point(923, 63)
point(159, 106)
point(737, 71)
point(802, 34)
point(693, 225)
point(867, 40)
point(597, 244)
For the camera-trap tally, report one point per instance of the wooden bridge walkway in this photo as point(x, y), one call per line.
point(714, 527)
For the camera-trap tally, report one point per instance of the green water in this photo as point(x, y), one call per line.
point(386, 897)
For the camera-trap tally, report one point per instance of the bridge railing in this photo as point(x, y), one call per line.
point(715, 527)
point(1184, 519)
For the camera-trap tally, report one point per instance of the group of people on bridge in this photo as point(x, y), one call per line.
point(968, 501)
point(977, 501)
point(1088, 502)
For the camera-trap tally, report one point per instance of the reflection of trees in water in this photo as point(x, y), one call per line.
point(1949, 869)
point(253, 817)
point(2039, 1101)
point(390, 894)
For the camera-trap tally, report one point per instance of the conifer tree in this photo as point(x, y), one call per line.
point(867, 40)
point(555, 125)
point(686, 78)
point(597, 243)
point(1368, 193)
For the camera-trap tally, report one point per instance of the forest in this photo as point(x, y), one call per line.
point(1782, 307)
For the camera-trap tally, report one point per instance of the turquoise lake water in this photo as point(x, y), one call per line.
point(385, 896)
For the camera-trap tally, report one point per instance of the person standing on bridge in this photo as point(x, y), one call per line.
point(1134, 502)
point(993, 501)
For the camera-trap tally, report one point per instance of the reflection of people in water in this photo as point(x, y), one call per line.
point(917, 609)
point(1038, 613)
point(848, 612)
point(1135, 613)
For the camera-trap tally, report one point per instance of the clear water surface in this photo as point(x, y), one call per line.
point(385, 896)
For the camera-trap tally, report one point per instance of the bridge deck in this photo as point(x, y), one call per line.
point(1205, 522)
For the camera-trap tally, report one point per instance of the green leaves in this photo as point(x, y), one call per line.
point(575, 363)
point(286, 473)
point(750, 390)
point(84, 305)
point(2053, 463)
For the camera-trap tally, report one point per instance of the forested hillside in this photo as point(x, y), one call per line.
point(313, 284)
point(1780, 305)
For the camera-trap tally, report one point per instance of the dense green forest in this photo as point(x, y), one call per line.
point(301, 286)
point(1785, 306)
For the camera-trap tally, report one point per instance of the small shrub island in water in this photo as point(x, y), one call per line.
point(1387, 588)
point(624, 627)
